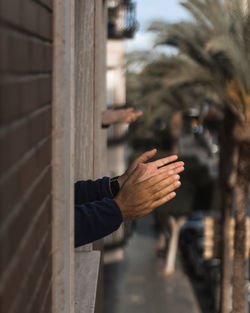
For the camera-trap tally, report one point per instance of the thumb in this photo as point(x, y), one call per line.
point(137, 172)
point(130, 110)
point(146, 156)
point(138, 114)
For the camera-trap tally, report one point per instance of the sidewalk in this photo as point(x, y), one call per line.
point(137, 284)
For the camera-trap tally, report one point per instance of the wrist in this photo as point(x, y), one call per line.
point(114, 186)
point(107, 118)
point(122, 179)
point(120, 205)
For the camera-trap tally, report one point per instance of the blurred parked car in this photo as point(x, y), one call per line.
point(212, 275)
point(192, 246)
point(191, 243)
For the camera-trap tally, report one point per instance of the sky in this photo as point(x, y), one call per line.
point(148, 10)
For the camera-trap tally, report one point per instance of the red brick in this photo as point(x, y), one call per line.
point(29, 16)
point(45, 24)
point(23, 278)
point(13, 188)
point(35, 92)
point(10, 195)
point(18, 53)
point(47, 3)
point(10, 11)
point(24, 137)
point(47, 305)
point(36, 57)
point(13, 146)
point(20, 223)
point(39, 126)
point(44, 155)
point(40, 57)
point(25, 144)
point(37, 19)
point(40, 302)
point(33, 56)
point(48, 57)
point(3, 49)
point(39, 225)
point(24, 54)
point(21, 97)
point(36, 287)
point(29, 97)
point(10, 107)
point(33, 166)
point(41, 159)
point(45, 90)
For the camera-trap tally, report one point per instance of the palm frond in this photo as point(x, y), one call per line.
point(224, 47)
point(187, 38)
point(214, 51)
point(211, 13)
point(220, 50)
point(246, 38)
point(198, 17)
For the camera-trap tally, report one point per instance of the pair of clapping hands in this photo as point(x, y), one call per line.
point(145, 186)
point(119, 116)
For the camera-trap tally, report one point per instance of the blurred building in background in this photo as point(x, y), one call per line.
point(122, 25)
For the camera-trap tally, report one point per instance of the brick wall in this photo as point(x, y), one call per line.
point(25, 157)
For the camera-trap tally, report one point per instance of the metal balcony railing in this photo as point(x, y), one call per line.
point(113, 3)
point(122, 21)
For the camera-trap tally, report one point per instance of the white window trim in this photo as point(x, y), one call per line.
point(63, 158)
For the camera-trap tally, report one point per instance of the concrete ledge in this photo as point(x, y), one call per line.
point(86, 279)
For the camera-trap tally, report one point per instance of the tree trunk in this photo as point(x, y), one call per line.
point(241, 197)
point(175, 130)
point(225, 284)
point(227, 169)
point(173, 243)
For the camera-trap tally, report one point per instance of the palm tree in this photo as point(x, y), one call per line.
point(163, 87)
point(146, 89)
point(218, 42)
point(163, 114)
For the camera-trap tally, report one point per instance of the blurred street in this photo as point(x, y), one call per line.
point(137, 284)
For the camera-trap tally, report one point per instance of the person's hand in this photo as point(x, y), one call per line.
point(120, 116)
point(137, 199)
point(153, 168)
point(127, 116)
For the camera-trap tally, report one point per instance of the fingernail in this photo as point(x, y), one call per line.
point(178, 183)
point(177, 177)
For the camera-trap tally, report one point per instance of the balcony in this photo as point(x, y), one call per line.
point(122, 21)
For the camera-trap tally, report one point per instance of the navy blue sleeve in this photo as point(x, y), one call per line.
point(89, 190)
point(94, 220)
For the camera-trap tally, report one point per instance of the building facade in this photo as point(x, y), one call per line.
point(122, 25)
point(26, 66)
point(52, 93)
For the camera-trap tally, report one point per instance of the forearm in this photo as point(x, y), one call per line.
point(89, 190)
point(95, 220)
